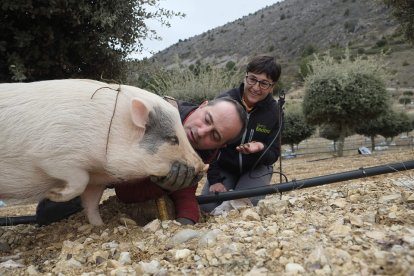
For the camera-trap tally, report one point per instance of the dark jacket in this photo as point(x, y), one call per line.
point(263, 126)
point(185, 201)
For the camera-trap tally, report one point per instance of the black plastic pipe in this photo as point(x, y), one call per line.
point(8, 221)
point(307, 183)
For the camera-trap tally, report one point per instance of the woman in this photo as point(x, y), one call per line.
point(248, 163)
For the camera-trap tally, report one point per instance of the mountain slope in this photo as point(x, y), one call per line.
point(291, 28)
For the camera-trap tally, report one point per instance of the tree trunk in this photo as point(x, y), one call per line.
point(292, 147)
point(341, 142)
point(372, 143)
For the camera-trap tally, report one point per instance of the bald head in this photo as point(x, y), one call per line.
point(214, 124)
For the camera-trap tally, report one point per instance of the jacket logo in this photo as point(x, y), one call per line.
point(262, 129)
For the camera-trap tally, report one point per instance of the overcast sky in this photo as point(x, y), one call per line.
point(200, 17)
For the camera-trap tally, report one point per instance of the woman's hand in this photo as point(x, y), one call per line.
point(251, 147)
point(217, 188)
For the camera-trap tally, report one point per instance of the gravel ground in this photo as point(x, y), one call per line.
point(358, 227)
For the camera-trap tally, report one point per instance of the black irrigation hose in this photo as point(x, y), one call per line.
point(7, 221)
point(270, 189)
point(307, 183)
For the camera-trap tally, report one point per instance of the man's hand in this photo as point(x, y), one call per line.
point(217, 188)
point(179, 177)
point(251, 147)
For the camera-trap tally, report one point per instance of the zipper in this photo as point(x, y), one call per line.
point(243, 142)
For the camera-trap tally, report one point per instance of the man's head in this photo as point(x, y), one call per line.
point(216, 123)
point(262, 73)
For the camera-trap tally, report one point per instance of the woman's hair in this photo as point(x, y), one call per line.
point(265, 64)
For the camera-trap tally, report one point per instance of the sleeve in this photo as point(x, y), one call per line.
point(213, 173)
point(185, 202)
point(139, 190)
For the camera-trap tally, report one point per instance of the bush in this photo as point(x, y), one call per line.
point(196, 85)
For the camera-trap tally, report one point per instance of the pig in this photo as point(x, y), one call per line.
point(63, 138)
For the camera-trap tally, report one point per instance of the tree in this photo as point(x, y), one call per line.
point(403, 10)
point(332, 132)
point(296, 129)
point(389, 125)
point(72, 38)
point(394, 124)
point(345, 92)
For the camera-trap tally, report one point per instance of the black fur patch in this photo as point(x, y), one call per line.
point(159, 130)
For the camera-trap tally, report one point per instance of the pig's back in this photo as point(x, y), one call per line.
point(57, 115)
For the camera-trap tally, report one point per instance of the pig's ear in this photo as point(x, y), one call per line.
point(139, 113)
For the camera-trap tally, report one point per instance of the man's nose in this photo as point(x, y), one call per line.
point(204, 130)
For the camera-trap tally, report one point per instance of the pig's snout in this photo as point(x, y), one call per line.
point(180, 176)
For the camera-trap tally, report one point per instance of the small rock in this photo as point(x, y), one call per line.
point(376, 235)
point(390, 198)
point(272, 206)
point(356, 220)
point(124, 258)
point(153, 226)
point(183, 236)
point(149, 268)
point(10, 264)
point(182, 254)
point(127, 221)
point(85, 228)
point(4, 247)
point(257, 271)
point(339, 203)
point(98, 257)
point(31, 270)
point(294, 268)
point(209, 239)
point(249, 214)
point(354, 198)
point(339, 230)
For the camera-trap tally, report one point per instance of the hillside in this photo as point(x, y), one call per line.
point(292, 29)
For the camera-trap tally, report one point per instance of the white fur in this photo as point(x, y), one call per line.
point(53, 139)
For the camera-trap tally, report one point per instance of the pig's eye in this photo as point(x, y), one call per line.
point(173, 140)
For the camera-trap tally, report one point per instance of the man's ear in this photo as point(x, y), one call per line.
point(203, 104)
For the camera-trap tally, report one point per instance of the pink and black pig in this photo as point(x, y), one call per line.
point(64, 138)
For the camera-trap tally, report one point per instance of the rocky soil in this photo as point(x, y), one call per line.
point(358, 227)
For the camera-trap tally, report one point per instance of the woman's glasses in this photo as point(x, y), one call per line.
point(262, 83)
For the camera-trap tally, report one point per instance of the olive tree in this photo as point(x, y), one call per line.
point(331, 132)
point(389, 124)
point(73, 38)
point(394, 124)
point(296, 129)
point(345, 92)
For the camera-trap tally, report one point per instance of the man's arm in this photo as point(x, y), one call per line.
point(186, 205)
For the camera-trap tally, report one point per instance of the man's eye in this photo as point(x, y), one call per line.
point(207, 119)
point(173, 140)
point(216, 137)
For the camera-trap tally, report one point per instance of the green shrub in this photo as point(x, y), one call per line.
point(196, 85)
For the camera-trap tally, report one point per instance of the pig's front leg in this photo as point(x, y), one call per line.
point(74, 182)
point(90, 202)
